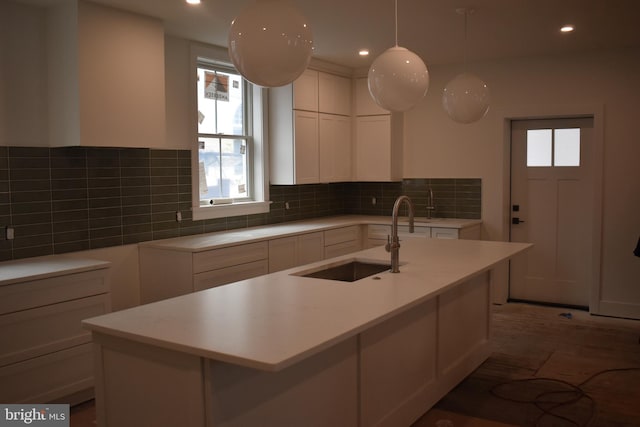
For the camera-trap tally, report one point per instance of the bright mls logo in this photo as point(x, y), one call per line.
point(36, 415)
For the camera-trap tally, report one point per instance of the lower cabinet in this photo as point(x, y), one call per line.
point(377, 233)
point(46, 355)
point(288, 252)
point(342, 241)
point(166, 273)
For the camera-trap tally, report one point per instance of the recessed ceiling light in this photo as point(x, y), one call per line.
point(193, 1)
point(363, 52)
point(567, 28)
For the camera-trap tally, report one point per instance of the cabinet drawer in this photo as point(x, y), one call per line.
point(444, 233)
point(43, 330)
point(226, 257)
point(222, 276)
point(378, 231)
point(339, 235)
point(37, 293)
point(403, 231)
point(47, 378)
point(341, 249)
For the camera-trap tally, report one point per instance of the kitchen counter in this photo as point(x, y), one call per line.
point(204, 242)
point(272, 321)
point(12, 272)
point(281, 349)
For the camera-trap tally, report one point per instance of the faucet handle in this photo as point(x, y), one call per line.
point(387, 246)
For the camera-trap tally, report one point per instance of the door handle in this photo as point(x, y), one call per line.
point(516, 220)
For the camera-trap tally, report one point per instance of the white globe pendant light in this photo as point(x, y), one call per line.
point(466, 97)
point(398, 79)
point(270, 43)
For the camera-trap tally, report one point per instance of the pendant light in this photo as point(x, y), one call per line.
point(466, 97)
point(270, 42)
point(398, 79)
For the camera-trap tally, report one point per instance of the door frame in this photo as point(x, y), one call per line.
point(537, 112)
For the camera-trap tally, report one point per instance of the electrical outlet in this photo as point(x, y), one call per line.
point(178, 216)
point(373, 201)
point(9, 233)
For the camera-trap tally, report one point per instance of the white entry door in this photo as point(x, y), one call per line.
point(552, 207)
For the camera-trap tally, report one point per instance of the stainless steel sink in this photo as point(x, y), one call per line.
point(349, 271)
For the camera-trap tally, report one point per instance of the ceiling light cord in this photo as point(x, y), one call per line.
point(396, 16)
point(464, 46)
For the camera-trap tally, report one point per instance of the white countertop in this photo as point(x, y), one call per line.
point(272, 321)
point(46, 266)
point(204, 242)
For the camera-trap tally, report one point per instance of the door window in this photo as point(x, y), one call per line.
point(553, 147)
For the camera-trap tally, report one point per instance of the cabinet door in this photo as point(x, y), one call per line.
point(310, 248)
point(283, 253)
point(444, 233)
point(305, 91)
point(373, 148)
point(334, 94)
point(365, 105)
point(335, 148)
point(307, 170)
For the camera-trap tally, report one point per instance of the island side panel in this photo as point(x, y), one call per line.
point(464, 320)
point(398, 367)
point(319, 391)
point(142, 385)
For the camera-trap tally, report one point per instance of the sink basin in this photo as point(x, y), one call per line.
point(349, 271)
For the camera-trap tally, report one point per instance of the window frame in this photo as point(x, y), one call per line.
point(258, 173)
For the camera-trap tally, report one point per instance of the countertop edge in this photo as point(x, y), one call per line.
point(206, 241)
point(46, 267)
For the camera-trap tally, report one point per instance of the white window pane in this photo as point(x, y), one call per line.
point(223, 168)
point(220, 97)
point(567, 147)
point(538, 147)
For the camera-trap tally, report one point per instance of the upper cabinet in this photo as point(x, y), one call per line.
point(310, 130)
point(102, 71)
point(304, 91)
point(334, 94)
point(379, 138)
point(365, 105)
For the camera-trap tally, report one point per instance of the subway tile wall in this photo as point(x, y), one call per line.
point(61, 200)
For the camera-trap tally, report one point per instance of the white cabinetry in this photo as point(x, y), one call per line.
point(45, 355)
point(310, 130)
point(166, 273)
point(335, 148)
point(334, 94)
point(288, 252)
point(377, 233)
point(342, 241)
point(379, 139)
point(467, 233)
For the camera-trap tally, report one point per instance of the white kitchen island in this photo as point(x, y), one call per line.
point(285, 350)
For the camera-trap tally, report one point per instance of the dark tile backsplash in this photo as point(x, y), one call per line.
point(62, 200)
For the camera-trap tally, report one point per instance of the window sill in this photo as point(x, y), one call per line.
point(234, 209)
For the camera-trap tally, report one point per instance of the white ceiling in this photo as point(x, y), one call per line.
point(430, 28)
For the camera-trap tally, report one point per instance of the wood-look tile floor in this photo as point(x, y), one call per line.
point(538, 354)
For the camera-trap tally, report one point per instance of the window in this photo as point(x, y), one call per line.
point(553, 147)
point(228, 161)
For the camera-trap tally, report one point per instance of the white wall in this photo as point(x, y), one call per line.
point(23, 83)
point(609, 82)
